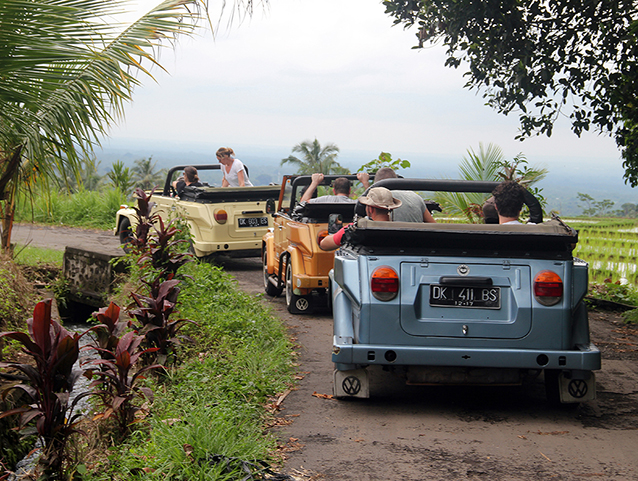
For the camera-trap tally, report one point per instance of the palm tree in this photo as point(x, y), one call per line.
point(488, 165)
point(121, 177)
point(66, 72)
point(315, 158)
point(145, 176)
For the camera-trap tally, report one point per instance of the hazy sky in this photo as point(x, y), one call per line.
point(338, 71)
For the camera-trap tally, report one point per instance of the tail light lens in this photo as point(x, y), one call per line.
point(384, 283)
point(220, 216)
point(321, 236)
point(548, 288)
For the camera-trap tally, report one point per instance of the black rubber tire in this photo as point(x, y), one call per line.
point(269, 287)
point(296, 304)
point(126, 234)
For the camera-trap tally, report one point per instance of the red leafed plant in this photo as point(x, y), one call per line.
point(153, 312)
point(48, 383)
point(109, 329)
point(145, 219)
point(155, 242)
point(118, 386)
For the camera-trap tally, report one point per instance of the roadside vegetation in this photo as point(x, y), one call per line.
point(186, 388)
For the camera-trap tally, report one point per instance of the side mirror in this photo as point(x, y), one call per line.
point(270, 206)
point(335, 222)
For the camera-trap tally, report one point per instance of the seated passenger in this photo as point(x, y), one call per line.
point(379, 203)
point(413, 208)
point(341, 188)
point(509, 197)
point(490, 215)
point(190, 178)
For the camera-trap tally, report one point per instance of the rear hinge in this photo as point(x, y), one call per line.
point(506, 265)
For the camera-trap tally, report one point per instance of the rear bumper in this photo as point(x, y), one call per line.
point(250, 248)
point(586, 358)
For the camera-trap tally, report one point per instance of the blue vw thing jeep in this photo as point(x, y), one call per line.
point(462, 303)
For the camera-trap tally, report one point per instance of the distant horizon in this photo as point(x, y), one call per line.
point(589, 176)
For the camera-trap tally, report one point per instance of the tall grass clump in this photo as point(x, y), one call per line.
point(93, 209)
point(214, 401)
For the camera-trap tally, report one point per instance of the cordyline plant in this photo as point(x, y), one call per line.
point(145, 220)
point(153, 313)
point(118, 387)
point(155, 242)
point(109, 329)
point(48, 383)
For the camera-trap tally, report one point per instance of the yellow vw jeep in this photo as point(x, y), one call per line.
point(222, 220)
point(291, 255)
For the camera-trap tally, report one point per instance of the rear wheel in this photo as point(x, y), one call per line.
point(296, 304)
point(126, 234)
point(269, 287)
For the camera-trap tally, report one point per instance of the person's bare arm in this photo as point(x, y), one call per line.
point(328, 243)
point(364, 178)
point(316, 180)
point(333, 241)
point(427, 216)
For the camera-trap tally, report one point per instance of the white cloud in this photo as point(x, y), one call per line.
point(335, 70)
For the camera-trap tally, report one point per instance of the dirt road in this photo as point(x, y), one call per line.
point(460, 433)
point(61, 237)
point(456, 433)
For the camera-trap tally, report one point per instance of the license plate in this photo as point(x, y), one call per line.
point(253, 221)
point(460, 296)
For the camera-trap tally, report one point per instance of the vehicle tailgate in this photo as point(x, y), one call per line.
point(466, 300)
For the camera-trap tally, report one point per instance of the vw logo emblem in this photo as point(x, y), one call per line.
point(351, 385)
point(463, 270)
point(302, 304)
point(577, 388)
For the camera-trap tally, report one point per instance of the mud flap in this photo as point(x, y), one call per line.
point(576, 389)
point(352, 383)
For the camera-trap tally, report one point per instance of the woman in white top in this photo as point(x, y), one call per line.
point(233, 169)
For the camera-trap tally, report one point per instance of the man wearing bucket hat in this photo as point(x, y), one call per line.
point(379, 202)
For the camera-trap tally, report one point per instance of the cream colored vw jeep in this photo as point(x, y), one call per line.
point(222, 220)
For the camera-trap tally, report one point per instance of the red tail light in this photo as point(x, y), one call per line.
point(220, 216)
point(548, 288)
point(384, 283)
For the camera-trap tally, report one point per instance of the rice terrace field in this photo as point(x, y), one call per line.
point(610, 247)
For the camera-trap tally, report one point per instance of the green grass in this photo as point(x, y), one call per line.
point(610, 247)
point(91, 209)
point(33, 256)
point(215, 400)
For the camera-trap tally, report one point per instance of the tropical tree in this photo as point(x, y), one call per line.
point(384, 160)
point(121, 177)
point(315, 158)
point(145, 176)
point(488, 165)
point(574, 59)
point(66, 71)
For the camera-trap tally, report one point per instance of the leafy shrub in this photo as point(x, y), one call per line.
point(54, 351)
point(17, 294)
point(615, 292)
point(118, 385)
point(631, 317)
point(153, 313)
